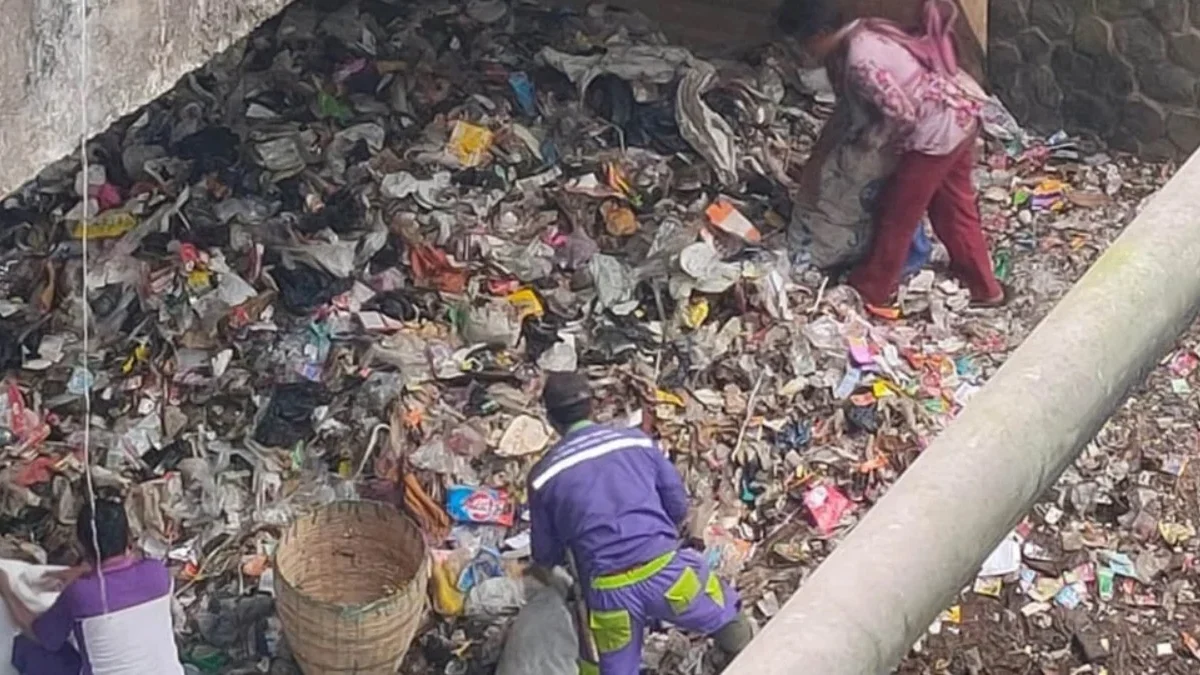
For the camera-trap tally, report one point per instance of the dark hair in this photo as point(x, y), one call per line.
point(111, 534)
point(804, 19)
point(565, 416)
point(568, 398)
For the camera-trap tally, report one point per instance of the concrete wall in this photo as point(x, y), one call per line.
point(138, 50)
point(1126, 70)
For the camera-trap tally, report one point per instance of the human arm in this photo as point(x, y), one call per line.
point(62, 577)
point(548, 551)
point(669, 485)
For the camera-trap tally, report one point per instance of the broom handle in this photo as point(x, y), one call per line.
point(590, 653)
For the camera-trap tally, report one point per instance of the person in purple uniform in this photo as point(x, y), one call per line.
point(121, 625)
point(611, 498)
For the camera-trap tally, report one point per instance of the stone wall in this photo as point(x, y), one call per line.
point(1125, 70)
point(138, 49)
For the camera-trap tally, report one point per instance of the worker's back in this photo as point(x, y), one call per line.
point(611, 496)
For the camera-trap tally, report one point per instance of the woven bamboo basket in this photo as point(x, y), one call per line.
point(350, 584)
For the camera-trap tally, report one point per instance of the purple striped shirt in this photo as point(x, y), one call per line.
point(130, 582)
point(610, 495)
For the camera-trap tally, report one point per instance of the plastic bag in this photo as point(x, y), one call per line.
point(495, 596)
point(466, 440)
point(303, 289)
point(485, 565)
point(835, 230)
point(614, 280)
point(706, 131)
point(494, 324)
point(826, 505)
point(542, 638)
point(447, 599)
point(525, 435)
point(288, 417)
point(634, 63)
point(433, 456)
point(467, 504)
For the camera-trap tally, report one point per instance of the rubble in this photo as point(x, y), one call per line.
point(335, 263)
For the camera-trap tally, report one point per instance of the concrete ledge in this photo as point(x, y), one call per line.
point(863, 609)
point(138, 50)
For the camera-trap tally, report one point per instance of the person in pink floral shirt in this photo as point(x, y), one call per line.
point(931, 112)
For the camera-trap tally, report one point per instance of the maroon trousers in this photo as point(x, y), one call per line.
point(942, 186)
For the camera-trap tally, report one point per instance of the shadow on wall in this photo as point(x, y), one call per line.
point(1127, 71)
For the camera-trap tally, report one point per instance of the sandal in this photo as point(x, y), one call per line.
point(885, 312)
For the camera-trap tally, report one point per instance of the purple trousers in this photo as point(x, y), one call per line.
point(677, 588)
point(30, 658)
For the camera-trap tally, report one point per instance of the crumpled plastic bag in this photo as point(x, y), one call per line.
point(447, 600)
point(406, 351)
point(634, 63)
point(303, 289)
point(398, 185)
point(344, 141)
point(494, 324)
point(287, 155)
point(224, 621)
point(561, 357)
point(703, 264)
point(528, 262)
point(542, 638)
point(1000, 124)
point(431, 268)
point(287, 419)
point(433, 455)
point(495, 597)
point(613, 279)
point(706, 131)
point(525, 435)
point(336, 257)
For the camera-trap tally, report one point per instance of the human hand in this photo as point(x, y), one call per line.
point(542, 575)
point(59, 579)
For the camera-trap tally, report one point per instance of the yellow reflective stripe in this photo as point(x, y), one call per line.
point(681, 593)
point(612, 582)
point(613, 631)
point(714, 590)
point(587, 668)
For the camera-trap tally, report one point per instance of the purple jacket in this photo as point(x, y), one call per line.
point(611, 496)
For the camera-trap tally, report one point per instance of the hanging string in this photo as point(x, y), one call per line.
point(87, 309)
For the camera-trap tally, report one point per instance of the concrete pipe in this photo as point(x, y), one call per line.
point(863, 609)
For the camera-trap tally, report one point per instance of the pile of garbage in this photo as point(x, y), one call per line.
point(1100, 577)
point(336, 262)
